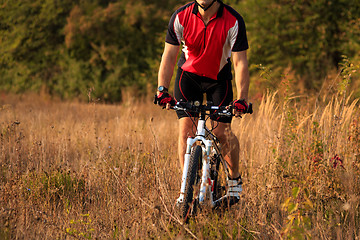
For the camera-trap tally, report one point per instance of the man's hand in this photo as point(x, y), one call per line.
point(164, 99)
point(240, 107)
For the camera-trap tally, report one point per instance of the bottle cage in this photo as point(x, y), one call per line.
point(205, 8)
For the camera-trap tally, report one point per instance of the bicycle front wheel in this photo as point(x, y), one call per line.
point(190, 203)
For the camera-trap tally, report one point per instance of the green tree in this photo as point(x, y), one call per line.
point(117, 43)
point(31, 38)
point(308, 36)
point(73, 46)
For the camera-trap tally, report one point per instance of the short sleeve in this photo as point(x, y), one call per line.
point(171, 35)
point(241, 42)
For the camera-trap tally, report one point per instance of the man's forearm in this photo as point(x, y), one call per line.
point(242, 82)
point(167, 65)
point(165, 73)
point(242, 78)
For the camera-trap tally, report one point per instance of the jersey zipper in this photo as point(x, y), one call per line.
point(205, 36)
point(205, 28)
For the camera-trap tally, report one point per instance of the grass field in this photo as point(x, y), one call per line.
point(74, 170)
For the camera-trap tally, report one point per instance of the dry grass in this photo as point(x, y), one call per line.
point(93, 171)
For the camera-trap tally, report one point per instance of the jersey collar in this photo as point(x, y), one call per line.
point(218, 14)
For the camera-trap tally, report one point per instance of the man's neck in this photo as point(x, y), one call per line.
point(206, 15)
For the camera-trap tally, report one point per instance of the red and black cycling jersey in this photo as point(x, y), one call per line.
point(207, 48)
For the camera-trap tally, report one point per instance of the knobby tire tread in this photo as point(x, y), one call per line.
point(191, 180)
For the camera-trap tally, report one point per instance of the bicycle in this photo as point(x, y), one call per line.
point(205, 173)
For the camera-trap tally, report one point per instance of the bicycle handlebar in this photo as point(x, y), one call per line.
point(201, 108)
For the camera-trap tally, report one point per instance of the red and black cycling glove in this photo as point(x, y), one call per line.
point(164, 98)
point(241, 106)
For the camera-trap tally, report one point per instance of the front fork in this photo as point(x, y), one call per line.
point(206, 182)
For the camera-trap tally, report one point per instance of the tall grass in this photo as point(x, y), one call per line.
point(94, 171)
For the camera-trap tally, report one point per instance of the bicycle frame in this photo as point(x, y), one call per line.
point(206, 183)
point(214, 175)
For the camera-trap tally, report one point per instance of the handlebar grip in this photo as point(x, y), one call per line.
point(250, 110)
point(156, 99)
point(172, 102)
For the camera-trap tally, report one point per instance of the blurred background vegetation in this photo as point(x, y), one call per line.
point(71, 48)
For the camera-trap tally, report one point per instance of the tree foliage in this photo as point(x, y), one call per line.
point(30, 38)
point(116, 44)
point(308, 36)
point(70, 48)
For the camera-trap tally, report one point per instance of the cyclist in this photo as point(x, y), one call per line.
point(210, 31)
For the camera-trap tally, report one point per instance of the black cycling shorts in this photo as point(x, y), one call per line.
point(191, 87)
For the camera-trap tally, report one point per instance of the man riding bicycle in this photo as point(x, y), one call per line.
point(210, 31)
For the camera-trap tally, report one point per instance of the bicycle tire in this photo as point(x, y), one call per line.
point(188, 207)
